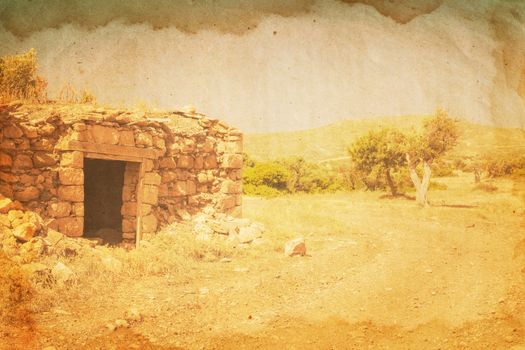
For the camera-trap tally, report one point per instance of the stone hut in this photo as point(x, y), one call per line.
point(95, 172)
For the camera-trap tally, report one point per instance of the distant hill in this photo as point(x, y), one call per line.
point(331, 142)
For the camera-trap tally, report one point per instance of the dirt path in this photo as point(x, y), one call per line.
point(451, 279)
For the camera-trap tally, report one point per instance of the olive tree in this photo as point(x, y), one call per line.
point(440, 134)
point(379, 152)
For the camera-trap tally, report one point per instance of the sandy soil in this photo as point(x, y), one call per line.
point(380, 274)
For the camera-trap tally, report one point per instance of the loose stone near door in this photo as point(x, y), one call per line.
point(174, 162)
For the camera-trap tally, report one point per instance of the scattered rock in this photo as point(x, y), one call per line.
point(241, 269)
point(133, 315)
point(248, 234)
point(62, 273)
point(203, 290)
point(53, 237)
point(295, 247)
point(25, 232)
point(7, 204)
point(121, 323)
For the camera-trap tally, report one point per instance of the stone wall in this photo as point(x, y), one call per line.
point(181, 162)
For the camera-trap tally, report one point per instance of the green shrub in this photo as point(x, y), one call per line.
point(290, 175)
point(270, 174)
point(261, 190)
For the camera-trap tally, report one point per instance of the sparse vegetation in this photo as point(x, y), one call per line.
point(15, 292)
point(19, 79)
point(379, 154)
point(291, 175)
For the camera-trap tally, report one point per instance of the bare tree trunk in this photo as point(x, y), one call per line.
point(425, 183)
point(421, 185)
point(391, 183)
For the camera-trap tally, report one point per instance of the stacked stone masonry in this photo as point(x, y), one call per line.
point(176, 163)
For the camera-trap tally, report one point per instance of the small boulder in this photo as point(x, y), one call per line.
point(248, 234)
point(24, 232)
point(295, 247)
point(132, 315)
point(53, 237)
point(7, 204)
point(62, 273)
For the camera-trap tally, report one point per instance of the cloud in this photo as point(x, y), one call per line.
point(298, 67)
point(24, 17)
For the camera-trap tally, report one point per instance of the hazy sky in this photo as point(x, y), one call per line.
point(282, 65)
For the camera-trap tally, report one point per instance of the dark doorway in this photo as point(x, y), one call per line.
point(103, 182)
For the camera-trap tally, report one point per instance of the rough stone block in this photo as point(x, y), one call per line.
point(72, 159)
point(198, 163)
point(128, 192)
point(127, 138)
point(23, 161)
point(191, 187)
point(129, 209)
point(42, 145)
point(59, 209)
point(210, 162)
point(129, 226)
point(150, 194)
point(179, 189)
point(105, 135)
point(226, 202)
point(27, 194)
point(31, 132)
point(185, 162)
point(71, 176)
point(231, 187)
point(13, 132)
point(5, 160)
point(168, 163)
point(25, 231)
point(143, 139)
point(71, 193)
point(43, 159)
point(149, 223)
point(71, 226)
point(145, 209)
point(152, 179)
point(232, 161)
point(78, 209)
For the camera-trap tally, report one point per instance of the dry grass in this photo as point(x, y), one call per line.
point(171, 252)
point(369, 258)
point(15, 292)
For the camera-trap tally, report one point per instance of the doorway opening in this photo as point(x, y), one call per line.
point(103, 183)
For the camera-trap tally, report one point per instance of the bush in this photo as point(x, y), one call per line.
point(261, 190)
point(268, 174)
point(18, 78)
point(290, 175)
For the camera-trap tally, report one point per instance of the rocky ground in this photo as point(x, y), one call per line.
point(378, 273)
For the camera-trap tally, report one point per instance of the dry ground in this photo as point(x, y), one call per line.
point(380, 274)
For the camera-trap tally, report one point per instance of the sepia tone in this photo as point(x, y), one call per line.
point(302, 174)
